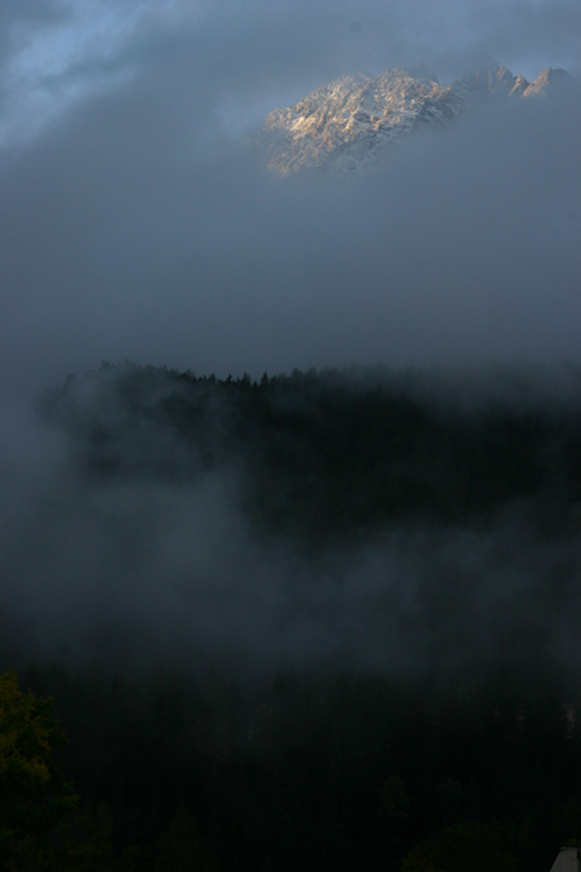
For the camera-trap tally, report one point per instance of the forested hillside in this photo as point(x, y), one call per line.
point(336, 453)
point(326, 620)
point(318, 771)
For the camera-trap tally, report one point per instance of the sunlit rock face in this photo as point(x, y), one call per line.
point(352, 121)
point(554, 85)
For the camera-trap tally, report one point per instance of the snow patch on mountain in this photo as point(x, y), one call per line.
point(352, 121)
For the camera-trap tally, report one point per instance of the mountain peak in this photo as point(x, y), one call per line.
point(481, 83)
point(351, 121)
point(553, 84)
point(343, 123)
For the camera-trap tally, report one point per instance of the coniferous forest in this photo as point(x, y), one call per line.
point(328, 620)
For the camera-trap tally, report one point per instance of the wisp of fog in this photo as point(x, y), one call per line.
point(138, 222)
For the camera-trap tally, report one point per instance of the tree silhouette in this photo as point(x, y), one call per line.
point(34, 796)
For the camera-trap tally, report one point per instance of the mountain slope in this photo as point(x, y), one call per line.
point(349, 122)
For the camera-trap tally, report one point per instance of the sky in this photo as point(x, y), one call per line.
point(136, 222)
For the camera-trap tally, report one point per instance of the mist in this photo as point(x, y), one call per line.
point(138, 222)
point(290, 475)
point(126, 545)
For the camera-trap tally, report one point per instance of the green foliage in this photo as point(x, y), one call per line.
point(86, 841)
point(85, 844)
point(395, 800)
point(465, 847)
point(180, 848)
point(34, 796)
point(329, 771)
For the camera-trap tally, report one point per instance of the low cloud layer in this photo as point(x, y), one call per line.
point(163, 561)
point(137, 223)
point(460, 247)
point(128, 573)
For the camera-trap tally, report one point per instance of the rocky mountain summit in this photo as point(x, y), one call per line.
point(350, 122)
